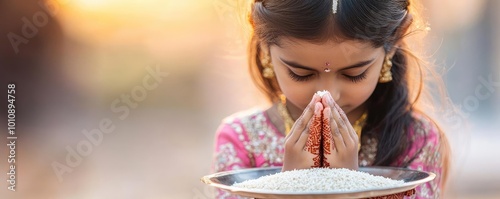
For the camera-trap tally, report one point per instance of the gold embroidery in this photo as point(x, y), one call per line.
point(262, 139)
point(226, 157)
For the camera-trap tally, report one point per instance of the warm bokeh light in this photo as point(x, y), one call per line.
point(79, 68)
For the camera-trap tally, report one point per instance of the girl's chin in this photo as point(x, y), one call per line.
point(346, 109)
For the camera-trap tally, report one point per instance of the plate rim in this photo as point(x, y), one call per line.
point(237, 190)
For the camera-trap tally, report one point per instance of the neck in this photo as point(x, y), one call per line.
point(355, 114)
point(294, 111)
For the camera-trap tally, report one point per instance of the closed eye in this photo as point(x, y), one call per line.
point(299, 78)
point(357, 78)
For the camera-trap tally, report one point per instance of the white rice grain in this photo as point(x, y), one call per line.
point(321, 93)
point(319, 180)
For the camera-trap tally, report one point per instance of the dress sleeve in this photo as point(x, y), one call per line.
point(427, 137)
point(230, 153)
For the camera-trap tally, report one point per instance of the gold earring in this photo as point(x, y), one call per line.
point(267, 71)
point(287, 118)
point(385, 73)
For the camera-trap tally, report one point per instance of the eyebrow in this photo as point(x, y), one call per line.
point(356, 65)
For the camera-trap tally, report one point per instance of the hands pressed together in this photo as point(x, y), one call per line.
point(321, 137)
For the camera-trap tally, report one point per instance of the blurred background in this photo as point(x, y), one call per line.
point(138, 89)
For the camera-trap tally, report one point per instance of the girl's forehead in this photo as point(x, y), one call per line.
point(293, 43)
point(345, 48)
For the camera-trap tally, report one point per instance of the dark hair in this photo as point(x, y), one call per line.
point(383, 23)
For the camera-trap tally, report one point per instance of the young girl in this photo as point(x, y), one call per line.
point(357, 51)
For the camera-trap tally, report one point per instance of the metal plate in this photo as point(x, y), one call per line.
point(224, 180)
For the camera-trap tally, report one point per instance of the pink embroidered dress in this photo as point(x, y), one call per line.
point(250, 140)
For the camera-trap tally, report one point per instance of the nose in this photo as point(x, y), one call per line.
point(332, 86)
point(335, 94)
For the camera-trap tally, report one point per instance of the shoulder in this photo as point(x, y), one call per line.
point(237, 121)
point(244, 116)
point(429, 152)
point(423, 130)
point(231, 140)
point(251, 137)
point(239, 125)
point(426, 140)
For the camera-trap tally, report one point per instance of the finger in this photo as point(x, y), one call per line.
point(328, 100)
point(327, 140)
point(310, 135)
point(302, 121)
point(338, 141)
point(342, 114)
point(313, 145)
point(336, 112)
point(325, 102)
point(342, 126)
point(302, 142)
point(352, 132)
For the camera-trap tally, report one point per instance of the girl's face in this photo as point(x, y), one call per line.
point(354, 70)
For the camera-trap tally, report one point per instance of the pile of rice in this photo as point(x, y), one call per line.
point(319, 179)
